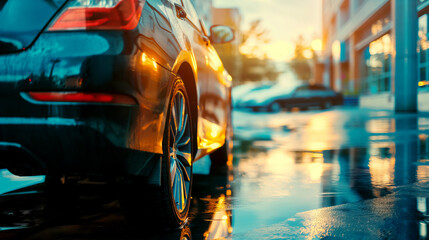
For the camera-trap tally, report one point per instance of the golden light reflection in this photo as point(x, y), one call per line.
point(423, 83)
point(214, 62)
point(321, 134)
point(315, 170)
point(381, 170)
point(308, 53)
point(155, 66)
point(212, 136)
point(336, 50)
point(422, 172)
point(381, 45)
point(377, 27)
point(149, 62)
point(381, 126)
point(317, 45)
point(221, 226)
point(315, 223)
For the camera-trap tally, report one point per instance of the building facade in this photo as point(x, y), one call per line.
point(358, 50)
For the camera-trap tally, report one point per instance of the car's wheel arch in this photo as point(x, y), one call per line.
point(187, 74)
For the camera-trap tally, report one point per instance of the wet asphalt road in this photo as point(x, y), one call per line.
point(343, 173)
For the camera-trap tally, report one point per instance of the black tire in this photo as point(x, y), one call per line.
point(327, 105)
point(158, 206)
point(174, 214)
point(275, 107)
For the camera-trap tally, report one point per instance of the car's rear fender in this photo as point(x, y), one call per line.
point(103, 61)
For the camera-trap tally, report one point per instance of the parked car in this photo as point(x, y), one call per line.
point(301, 96)
point(242, 90)
point(127, 90)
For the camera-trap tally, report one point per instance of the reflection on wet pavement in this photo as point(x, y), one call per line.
point(288, 181)
point(343, 173)
point(93, 212)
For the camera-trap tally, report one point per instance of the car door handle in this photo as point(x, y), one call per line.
point(180, 12)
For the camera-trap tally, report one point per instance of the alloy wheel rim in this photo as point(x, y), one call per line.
point(180, 152)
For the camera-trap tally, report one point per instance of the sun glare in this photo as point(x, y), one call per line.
point(316, 45)
point(280, 50)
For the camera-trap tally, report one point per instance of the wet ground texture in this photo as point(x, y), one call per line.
point(344, 173)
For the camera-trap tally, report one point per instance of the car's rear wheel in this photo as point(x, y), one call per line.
point(167, 205)
point(176, 175)
point(275, 107)
point(327, 105)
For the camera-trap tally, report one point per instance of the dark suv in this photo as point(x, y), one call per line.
point(130, 90)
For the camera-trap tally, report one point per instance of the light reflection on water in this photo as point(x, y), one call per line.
point(292, 165)
point(328, 158)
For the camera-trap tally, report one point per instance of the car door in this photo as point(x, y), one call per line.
point(316, 97)
point(301, 97)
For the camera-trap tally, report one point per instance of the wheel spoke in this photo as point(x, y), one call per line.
point(178, 188)
point(180, 151)
point(185, 191)
point(175, 188)
point(173, 170)
point(185, 158)
point(181, 111)
point(178, 109)
point(184, 171)
point(174, 122)
point(182, 129)
point(183, 142)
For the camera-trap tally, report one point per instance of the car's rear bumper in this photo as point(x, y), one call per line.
point(55, 146)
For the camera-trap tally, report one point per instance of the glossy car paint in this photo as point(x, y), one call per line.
point(141, 63)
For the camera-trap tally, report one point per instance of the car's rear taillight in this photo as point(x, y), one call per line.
point(79, 97)
point(99, 15)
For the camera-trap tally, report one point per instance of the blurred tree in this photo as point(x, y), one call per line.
point(300, 62)
point(253, 63)
point(254, 38)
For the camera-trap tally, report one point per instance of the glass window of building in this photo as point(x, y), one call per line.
point(375, 66)
point(423, 53)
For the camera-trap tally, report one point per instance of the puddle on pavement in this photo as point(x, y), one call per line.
point(335, 157)
point(293, 163)
point(31, 213)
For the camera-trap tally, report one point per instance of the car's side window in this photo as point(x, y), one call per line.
point(302, 91)
point(192, 13)
point(317, 88)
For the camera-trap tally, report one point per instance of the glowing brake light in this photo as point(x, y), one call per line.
point(80, 97)
point(99, 15)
